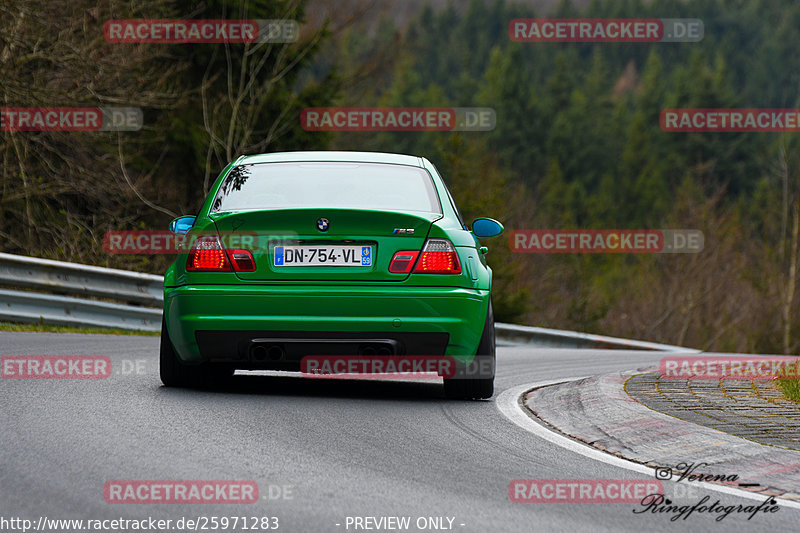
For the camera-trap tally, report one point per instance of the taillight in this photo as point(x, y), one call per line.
point(242, 260)
point(438, 256)
point(402, 262)
point(208, 255)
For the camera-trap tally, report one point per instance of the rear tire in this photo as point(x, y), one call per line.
point(176, 374)
point(171, 370)
point(464, 387)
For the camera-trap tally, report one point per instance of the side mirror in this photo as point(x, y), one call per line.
point(182, 225)
point(486, 227)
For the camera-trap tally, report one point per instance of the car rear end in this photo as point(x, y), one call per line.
point(300, 258)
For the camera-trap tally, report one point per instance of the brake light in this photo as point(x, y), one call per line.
point(208, 255)
point(438, 257)
point(402, 262)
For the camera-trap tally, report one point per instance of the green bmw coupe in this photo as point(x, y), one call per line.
point(328, 253)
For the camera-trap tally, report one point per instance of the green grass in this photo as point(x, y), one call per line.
point(5, 326)
point(790, 388)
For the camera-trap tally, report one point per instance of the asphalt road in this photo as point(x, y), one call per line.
point(343, 448)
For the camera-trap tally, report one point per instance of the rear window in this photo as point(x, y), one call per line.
point(331, 185)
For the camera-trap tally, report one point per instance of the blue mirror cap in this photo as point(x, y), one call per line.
point(486, 227)
point(182, 225)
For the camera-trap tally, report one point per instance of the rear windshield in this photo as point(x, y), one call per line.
point(332, 185)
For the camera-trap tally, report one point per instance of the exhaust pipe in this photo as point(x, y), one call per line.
point(376, 349)
point(275, 352)
point(259, 352)
point(263, 352)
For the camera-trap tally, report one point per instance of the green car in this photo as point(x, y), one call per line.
point(301, 254)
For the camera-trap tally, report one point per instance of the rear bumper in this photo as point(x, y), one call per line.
point(218, 323)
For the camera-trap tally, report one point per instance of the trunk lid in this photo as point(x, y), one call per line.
point(355, 245)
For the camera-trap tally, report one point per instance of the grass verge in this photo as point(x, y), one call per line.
point(5, 326)
point(790, 388)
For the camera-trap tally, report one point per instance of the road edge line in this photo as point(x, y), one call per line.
point(509, 403)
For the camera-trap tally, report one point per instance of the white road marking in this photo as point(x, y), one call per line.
point(509, 404)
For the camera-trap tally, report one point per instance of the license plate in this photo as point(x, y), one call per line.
point(344, 256)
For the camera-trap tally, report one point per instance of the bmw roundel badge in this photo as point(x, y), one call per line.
point(323, 224)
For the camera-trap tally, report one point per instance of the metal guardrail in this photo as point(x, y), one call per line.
point(558, 338)
point(85, 280)
point(60, 278)
point(21, 306)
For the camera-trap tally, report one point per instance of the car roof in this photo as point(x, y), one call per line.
point(343, 156)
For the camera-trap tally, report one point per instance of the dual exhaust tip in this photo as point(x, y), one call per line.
point(264, 352)
point(375, 349)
